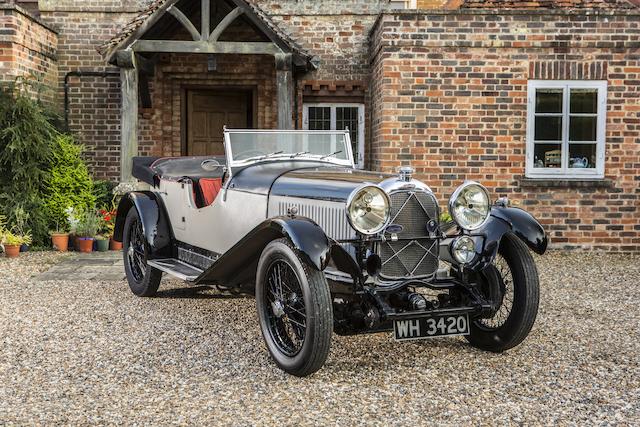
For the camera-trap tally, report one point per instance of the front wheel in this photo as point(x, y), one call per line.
point(143, 279)
point(511, 284)
point(294, 309)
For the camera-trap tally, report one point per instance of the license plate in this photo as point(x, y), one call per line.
point(431, 326)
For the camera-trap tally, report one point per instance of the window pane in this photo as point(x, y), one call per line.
point(584, 101)
point(582, 156)
point(347, 117)
point(548, 128)
point(319, 118)
point(582, 128)
point(547, 156)
point(549, 101)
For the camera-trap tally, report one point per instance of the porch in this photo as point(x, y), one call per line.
point(190, 67)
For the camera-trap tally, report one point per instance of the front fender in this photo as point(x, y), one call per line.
point(487, 239)
point(155, 223)
point(523, 225)
point(237, 264)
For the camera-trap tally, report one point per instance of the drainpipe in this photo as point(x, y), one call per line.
point(103, 74)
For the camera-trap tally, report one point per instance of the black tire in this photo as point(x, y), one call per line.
point(143, 279)
point(280, 314)
point(500, 333)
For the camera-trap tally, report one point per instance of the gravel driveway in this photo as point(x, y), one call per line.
point(89, 352)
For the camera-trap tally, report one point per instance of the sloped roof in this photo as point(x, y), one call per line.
point(548, 4)
point(283, 39)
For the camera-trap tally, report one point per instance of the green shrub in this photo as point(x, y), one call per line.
point(41, 170)
point(103, 192)
point(68, 184)
point(26, 133)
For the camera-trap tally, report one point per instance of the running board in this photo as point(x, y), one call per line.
point(176, 268)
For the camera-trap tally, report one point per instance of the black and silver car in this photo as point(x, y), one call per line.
point(327, 248)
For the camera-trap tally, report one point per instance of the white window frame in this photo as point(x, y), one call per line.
point(305, 123)
point(565, 171)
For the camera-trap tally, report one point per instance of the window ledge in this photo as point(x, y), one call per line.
point(565, 183)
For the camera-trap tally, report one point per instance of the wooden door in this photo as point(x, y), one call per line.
point(208, 112)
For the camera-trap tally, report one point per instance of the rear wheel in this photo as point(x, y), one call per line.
point(143, 279)
point(294, 309)
point(511, 284)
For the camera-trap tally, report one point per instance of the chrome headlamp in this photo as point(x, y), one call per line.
point(368, 209)
point(469, 205)
point(463, 249)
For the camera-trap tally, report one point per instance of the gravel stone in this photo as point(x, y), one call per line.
point(90, 352)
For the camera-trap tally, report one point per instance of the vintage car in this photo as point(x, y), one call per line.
point(327, 248)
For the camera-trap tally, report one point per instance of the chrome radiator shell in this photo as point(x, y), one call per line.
point(413, 252)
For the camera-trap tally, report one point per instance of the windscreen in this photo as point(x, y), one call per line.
point(251, 146)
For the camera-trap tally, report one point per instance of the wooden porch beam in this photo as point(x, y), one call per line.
point(284, 90)
point(224, 24)
point(129, 122)
point(206, 17)
point(130, 59)
point(186, 22)
point(177, 46)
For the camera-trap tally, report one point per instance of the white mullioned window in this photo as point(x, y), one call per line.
point(338, 116)
point(566, 122)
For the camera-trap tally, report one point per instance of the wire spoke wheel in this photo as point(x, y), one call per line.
point(135, 252)
point(504, 305)
point(294, 308)
point(285, 308)
point(512, 287)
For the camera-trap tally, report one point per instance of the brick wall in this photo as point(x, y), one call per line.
point(94, 102)
point(450, 98)
point(28, 48)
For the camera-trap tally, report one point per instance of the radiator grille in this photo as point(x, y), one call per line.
point(415, 253)
point(331, 218)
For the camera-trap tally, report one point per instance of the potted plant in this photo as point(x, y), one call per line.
point(21, 218)
point(86, 231)
point(108, 219)
point(102, 243)
point(59, 239)
point(73, 219)
point(11, 243)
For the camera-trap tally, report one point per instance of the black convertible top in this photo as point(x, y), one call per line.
point(152, 169)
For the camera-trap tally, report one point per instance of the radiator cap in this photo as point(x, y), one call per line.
point(406, 173)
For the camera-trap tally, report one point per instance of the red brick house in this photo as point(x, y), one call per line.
point(539, 100)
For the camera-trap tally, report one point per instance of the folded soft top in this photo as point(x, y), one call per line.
point(152, 169)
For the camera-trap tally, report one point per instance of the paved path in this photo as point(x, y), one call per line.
point(107, 266)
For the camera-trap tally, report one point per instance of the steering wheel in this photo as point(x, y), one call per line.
point(247, 154)
point(210, 164)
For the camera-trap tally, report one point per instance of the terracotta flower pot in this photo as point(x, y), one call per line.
point(60, 242)
point(102, 245)
point(12, 251)
point(115, 246)
point(85, 244)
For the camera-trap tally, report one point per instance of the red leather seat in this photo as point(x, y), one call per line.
point(210, 188)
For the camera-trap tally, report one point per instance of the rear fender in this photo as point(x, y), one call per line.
point(155, 223)
point(237, 265)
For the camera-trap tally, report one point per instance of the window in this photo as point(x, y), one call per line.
point(338, 117)
point(403, 4)
point(566, 129)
